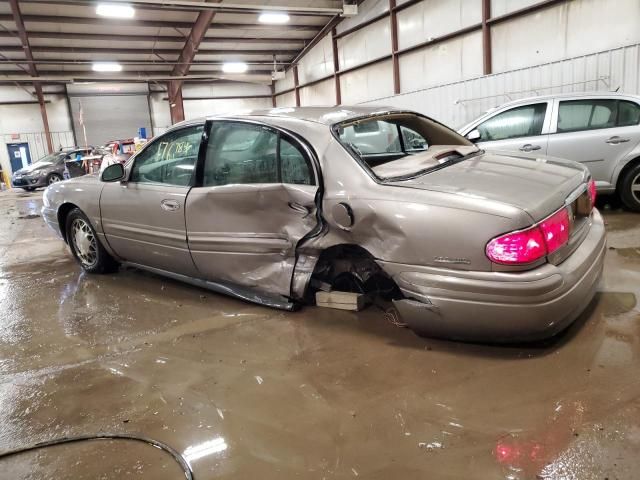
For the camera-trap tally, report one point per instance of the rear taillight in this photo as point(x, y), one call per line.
point(592, 192)
point(527, 246)
point(556, 230)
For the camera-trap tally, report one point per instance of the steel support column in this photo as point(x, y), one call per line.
point(24, 39)
point(176, 105)
point(336, 66)
point(486, 37)
point(296, 85)
point(393, 20)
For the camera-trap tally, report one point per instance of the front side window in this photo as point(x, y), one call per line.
point(577, 115)
point(244, 153)
point(170, 159)
point(525, 121)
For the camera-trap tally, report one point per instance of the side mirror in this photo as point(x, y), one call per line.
point(474, 135)
point(113, 173)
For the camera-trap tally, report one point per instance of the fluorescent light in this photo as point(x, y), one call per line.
point(234, 67)
point(274, 17)
point(115, 11)
point(107, 67)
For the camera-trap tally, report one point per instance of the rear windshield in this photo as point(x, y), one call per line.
point(402, 144)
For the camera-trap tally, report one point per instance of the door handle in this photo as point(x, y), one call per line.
point(299, 208)
point(169, 205)
point(529, 148)
point(615, 140)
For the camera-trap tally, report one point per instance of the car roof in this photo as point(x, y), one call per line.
point(569, 95)
point(321, 115)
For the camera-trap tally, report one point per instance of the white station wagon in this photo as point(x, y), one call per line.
point(599, 130)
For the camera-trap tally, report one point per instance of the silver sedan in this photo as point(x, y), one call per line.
point(272, 205)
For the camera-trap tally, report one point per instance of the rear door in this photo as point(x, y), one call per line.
point(255, 201)
point(597, 132)
point(144, 218)
point(521, 128)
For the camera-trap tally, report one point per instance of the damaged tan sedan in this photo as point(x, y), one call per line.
point(271, 205)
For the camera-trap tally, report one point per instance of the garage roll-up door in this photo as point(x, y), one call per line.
point(111, 115)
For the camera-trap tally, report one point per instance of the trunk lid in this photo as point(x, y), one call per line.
point(538, 185)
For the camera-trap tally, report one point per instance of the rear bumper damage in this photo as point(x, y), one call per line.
point(498, 306)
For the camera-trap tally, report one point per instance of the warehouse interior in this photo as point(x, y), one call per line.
point(103, 368)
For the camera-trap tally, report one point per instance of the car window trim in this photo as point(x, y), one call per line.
point(308, 153)
point(131, 162)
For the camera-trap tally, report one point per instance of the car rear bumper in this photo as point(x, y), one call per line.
point(498, 306)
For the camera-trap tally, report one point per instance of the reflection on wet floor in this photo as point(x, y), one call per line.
point(248, 392)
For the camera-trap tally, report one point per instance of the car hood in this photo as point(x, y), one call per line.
point(536, 184)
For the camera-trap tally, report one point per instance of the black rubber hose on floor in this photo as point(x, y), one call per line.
point(188, 473)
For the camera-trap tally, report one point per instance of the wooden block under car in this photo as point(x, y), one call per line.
point(341, 300)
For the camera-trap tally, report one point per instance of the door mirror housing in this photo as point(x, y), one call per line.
point(473, 135)
point(113, 173)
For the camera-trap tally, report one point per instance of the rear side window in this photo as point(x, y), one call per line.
point(577, 115)
point(242, 153)
point(524, 121)
point(628, 114)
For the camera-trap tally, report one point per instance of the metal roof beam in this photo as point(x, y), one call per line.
point(60, 19)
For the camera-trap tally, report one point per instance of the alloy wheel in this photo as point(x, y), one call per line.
point(54, 179)
point(84, 242)
point(635, 187)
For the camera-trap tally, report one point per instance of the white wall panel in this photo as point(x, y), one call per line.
point(318, 63)
point(205, 108)
point(366, 11)
point(286, 100)
point(224, 89)
point(434, 18)
point(319, 94)
point(500, 7)
point(442, 63)
point(366, 83)
point(286, 83)
point(567, 30)
point(369, 43)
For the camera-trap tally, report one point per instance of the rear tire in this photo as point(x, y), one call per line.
point(85, 244)
point(630, 188)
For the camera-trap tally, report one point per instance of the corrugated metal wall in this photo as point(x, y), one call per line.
point(460, 102)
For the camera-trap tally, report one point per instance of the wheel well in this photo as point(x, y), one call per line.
point(352, 268)
point(625, 169)
point(63, 212)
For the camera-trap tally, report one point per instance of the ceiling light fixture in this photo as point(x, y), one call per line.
point(277, 18)
point(106, 67)
point(234, 67)
point(115, 11)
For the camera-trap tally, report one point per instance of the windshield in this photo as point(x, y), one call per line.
point(402, 144)
point(48, 160)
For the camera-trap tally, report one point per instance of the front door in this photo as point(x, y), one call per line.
point(19, 155)
point(143, 219)
point(255, 203)
point(596, 132)
point(518, 129)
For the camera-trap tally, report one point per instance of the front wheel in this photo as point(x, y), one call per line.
point(28, 189)
point(630, 188)
point(53, 178)
point(85, 245)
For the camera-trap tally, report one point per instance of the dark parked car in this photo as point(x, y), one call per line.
point(49, 169)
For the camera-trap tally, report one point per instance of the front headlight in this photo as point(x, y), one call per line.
point(42, 173)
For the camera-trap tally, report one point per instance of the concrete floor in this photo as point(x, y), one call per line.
point(322, 394)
